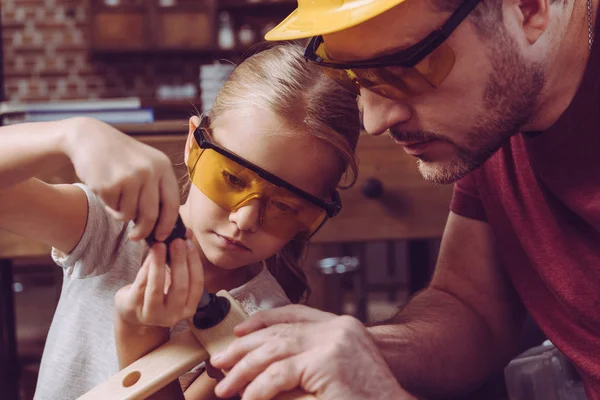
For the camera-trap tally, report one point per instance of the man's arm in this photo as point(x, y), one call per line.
point(451, 336)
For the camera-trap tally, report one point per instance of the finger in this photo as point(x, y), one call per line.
point(196, 278)
point(129, 201)
point(240, 347)
point(257, 361)
point(169, 209)
point(129, 299)
point(189, 234)
point(279, 377)
point(154, 294)
point(123, 305)
point(147, 211)
point(141, 278)
point(282, 315)
point(178, 291)
point(135, 294)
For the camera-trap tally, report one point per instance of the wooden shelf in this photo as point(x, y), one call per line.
point(206, 55)
point(178, 126)
point(188, 28)
point(147, 50)
point(232, 4)
point(146, 26)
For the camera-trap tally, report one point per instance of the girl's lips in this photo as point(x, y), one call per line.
point(232, 244)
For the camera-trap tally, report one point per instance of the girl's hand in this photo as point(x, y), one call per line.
point(160, 296)
point(136, 181)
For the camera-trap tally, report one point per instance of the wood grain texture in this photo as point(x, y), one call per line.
point(217, 338)
point(180, 354)
point(155, 370)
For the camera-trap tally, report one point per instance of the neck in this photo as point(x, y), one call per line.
point(566, 67)
point(216, 278)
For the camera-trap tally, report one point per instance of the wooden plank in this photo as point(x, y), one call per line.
point(158, 128)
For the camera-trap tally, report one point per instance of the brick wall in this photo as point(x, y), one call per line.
point(46, 57)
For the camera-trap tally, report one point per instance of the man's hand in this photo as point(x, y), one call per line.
point(295, 346)
point(136, 181)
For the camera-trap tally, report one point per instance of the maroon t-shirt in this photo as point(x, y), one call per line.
point(541, 196)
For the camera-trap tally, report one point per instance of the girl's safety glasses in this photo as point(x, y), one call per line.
point(231, 182)
point(410, 72)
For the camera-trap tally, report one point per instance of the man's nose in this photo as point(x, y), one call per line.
point(380, 113)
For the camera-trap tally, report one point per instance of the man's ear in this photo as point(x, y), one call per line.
point(534, 17)
point(194, 123)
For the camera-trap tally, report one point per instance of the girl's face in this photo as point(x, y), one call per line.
point(232, 239)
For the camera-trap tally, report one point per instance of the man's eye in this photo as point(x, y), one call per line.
point(234, 180)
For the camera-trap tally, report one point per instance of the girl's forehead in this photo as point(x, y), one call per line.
point(262, 138)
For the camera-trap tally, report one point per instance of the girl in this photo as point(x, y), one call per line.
point(263, 168)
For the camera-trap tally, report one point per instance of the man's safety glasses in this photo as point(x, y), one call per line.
point(231, 182)
point(409, 72)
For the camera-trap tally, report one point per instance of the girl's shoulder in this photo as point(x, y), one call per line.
point(262, 292)
point(103, 245)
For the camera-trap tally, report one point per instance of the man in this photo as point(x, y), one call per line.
point(500, 96)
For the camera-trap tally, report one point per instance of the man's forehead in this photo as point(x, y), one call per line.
point(389, 32)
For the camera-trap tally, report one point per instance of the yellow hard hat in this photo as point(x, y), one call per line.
point(319, 17)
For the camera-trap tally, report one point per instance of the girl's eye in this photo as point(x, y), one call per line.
point(234, 180)
point(284, 208)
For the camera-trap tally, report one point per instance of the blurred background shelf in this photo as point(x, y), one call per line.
point(245, 4)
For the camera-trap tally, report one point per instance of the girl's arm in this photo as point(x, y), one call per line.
point(134, 180)
point(32, 148)
point(135, 341)
point(52, 214)
point(55, 215)
point(156, 301)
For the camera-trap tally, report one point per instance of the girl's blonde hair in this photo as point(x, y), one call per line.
point(279, 79)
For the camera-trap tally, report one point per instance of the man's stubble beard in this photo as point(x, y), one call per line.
point(510, 99)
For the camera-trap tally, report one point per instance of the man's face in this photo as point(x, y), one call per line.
point(490, 93)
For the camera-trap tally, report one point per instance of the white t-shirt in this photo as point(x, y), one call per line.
point(80, 350)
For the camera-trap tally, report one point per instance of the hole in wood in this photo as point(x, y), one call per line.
point(132, 378)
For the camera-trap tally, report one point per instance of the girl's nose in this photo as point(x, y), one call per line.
point(247, 217)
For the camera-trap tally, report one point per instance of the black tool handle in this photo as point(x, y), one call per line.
point(178, 232)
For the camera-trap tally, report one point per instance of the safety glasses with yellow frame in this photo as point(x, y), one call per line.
point(231, 182)
point(409, 72)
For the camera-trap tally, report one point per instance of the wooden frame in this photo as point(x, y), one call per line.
point(165, 364)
